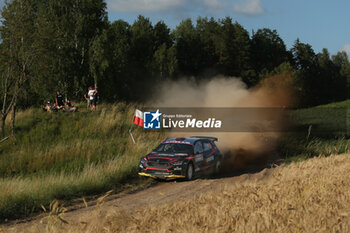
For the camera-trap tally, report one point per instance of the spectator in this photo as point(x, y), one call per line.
point(97, 96)
point(70, 107)
point(59, 101)
point(86, 96)
point(47, 107)
point(92, 97)
point(55, 108)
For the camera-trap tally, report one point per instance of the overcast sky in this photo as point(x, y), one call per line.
point(320, 23)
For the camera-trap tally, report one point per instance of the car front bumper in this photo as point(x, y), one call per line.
point(161, 175)
point(162, 171)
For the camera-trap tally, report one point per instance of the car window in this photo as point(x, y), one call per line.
point(213, 145)
point(198, 148)
point(174, 148)
point(206, 146)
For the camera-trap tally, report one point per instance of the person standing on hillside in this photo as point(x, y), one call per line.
point(59, 101)
point(92, 97)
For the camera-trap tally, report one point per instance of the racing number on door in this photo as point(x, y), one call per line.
point(208, 153)
point(198, 155)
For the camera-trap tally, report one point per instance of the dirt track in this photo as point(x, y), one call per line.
point(160, 193)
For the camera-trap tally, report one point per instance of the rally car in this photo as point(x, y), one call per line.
point(185, 157)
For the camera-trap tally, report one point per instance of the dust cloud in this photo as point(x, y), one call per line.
point(242, 149)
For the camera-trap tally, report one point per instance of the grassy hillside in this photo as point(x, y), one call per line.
point(329, 134)
point(310, 196)
point(342, 104)
point(68, 155)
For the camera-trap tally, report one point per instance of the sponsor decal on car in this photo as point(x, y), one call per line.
point(198, 158)
point(181, 154)
point(178, 142)
point(211, 158)
point(161, 173)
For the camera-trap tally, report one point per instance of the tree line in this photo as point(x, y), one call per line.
point(68, 45)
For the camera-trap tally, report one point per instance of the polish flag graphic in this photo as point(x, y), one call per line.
point(138, 118)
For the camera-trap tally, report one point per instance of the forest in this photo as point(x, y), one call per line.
point(49, 45)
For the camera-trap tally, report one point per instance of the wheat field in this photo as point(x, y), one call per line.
point(308, 196)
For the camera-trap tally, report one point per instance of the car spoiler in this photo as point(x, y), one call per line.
point(214, 139)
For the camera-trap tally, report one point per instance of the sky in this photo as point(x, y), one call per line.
point(320, 23)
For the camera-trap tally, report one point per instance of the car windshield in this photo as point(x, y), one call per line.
point(174, 148)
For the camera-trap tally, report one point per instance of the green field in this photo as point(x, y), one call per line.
point(66, 156)
point(329, 133)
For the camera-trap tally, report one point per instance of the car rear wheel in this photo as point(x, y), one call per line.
point(190, 172)
point(217, 166)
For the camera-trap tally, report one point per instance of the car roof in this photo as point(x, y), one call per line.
point(183, 140)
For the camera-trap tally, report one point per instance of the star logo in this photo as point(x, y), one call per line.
point(156, 115)
point(151, 120)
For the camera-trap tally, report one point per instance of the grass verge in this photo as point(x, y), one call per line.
point(62, 156)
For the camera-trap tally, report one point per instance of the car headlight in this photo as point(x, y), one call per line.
point(143, 163)
point(143, 160)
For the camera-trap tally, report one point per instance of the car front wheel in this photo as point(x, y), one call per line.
point(190, 172)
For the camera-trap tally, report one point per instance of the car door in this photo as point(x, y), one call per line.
point(198, 156)
point(208, 154)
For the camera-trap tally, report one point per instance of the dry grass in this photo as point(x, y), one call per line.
point(68, 155)
point(310, 196)
point(27, 193)
point(19, 115)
